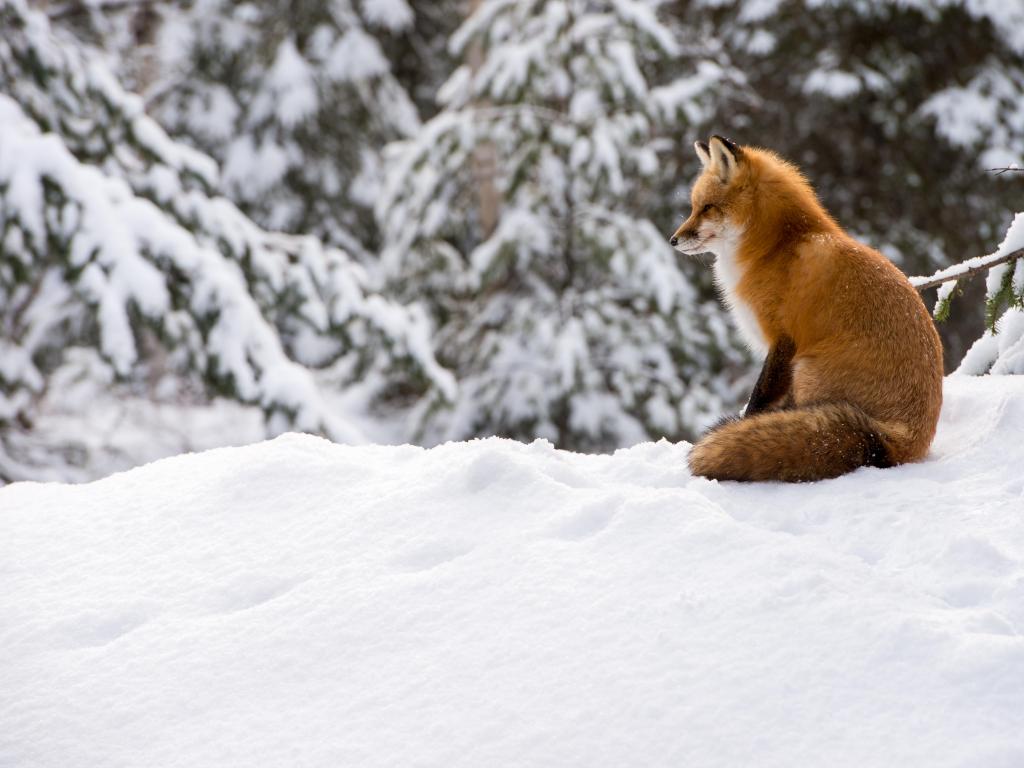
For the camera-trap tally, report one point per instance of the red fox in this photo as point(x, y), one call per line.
point(853, 371)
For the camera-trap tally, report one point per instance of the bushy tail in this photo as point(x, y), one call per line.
point(797, 445)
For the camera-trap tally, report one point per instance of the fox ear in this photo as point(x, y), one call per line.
point(703, 153)
point(725, 157)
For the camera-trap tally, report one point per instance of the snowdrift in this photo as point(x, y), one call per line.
point(298, 603)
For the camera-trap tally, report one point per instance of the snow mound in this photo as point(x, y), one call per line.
point(491, 603)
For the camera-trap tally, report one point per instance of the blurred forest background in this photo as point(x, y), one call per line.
point(406, 220)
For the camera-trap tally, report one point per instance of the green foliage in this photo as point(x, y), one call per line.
point(1009, 291)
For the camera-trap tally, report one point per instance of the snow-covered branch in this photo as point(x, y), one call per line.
point(965, 269)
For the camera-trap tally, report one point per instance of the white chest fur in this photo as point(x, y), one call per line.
point(728, 274)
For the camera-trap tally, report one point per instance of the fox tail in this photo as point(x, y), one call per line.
point(796, 445)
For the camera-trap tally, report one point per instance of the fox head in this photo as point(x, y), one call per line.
point(717, 198)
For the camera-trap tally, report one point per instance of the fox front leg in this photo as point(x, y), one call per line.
point(776, 378)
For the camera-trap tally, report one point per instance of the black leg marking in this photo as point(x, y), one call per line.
point(776, 377)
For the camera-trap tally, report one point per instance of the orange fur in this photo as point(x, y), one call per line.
point(863, 339)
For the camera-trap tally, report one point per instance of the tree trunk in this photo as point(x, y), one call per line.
point(484, 160)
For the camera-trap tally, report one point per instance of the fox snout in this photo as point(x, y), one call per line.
point(681, 235)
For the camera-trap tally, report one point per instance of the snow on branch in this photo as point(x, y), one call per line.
point(1011, 248)
point(965, 269)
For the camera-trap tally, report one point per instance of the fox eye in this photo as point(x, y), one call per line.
point(707, 208)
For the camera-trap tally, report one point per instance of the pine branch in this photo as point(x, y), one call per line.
point(965, 269)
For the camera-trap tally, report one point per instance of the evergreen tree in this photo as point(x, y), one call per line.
point(295, 100)
point(111, 239)
point(521, 213)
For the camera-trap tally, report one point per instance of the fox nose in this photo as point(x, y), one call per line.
point(673, 240)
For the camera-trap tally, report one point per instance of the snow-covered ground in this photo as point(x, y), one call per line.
point(299, 603)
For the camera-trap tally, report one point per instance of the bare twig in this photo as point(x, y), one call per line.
point(965, 269)
point(1007, 169)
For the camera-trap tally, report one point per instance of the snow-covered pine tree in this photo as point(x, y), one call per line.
point(110, 239)
point(521, 213)
point(295, 100)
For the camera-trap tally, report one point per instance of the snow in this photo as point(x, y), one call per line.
point(962, 114)
point(1001, 352)
point(80, 434)
point(356, 56)
point(682, 98)
point(254, 167)
point(297, 602)
point(754, 11)
point(1008, 18)
point(834, 83)
point(1014, 239)
point(980, 113)
point(394, 15)
point(290, 86)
